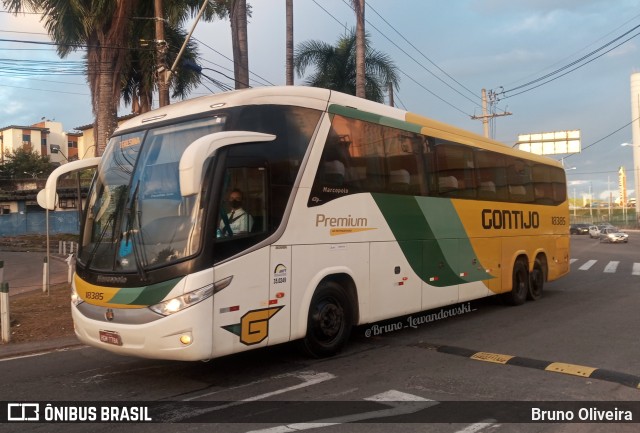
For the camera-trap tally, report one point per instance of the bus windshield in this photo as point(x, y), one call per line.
point(136, 218)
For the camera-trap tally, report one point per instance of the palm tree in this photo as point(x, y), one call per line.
point(358, 7)
point(103, 26)
point(335, 66)
point(239, 41)
point(138, 80)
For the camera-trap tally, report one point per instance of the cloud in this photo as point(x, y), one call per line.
point(538, 22)
point(542, 6)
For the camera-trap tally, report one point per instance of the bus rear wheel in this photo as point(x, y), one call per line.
point(536, 282)
point(520, 284)
point(329, 321)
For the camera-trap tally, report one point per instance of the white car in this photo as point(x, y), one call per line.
point(612, 234)
point(594, 231)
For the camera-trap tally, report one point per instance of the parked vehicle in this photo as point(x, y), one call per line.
point(612, 234)
point(579, 229)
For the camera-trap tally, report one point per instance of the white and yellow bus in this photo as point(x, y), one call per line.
point(359, 212)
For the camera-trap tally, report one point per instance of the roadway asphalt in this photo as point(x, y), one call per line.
point(23, 270)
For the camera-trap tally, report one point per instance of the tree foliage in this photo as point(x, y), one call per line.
point(25, 163)
point(335, 66)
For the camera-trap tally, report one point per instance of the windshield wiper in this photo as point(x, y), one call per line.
point(135, 234)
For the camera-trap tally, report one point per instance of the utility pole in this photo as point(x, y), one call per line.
point(492, 99)
point(161, 52)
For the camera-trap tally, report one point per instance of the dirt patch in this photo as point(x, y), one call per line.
point(34, 242)
point(36, 316)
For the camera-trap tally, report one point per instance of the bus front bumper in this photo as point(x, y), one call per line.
point(183, 336)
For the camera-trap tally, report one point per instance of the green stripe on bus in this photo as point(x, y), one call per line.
point(443, 219)
point(374, 118)
point(437, 260)
point(148, 295)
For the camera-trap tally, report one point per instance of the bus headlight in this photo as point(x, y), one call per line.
point(75, 298)
point(174, 305)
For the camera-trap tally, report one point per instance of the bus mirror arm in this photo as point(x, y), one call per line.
point(194, 157)
point(47, 197)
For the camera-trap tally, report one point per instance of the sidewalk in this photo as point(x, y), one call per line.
point(23, 270)
point(31, 348)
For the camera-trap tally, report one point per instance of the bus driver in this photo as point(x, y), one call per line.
point(238, 220)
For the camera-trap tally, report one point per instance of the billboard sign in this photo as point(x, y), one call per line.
point(550, 143)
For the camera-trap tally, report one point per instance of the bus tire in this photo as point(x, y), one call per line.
point(536, 282)
point(329, 321)
point(520, 284)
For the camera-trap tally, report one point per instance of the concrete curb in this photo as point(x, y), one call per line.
point(13, 350)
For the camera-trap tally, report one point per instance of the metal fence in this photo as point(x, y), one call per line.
point(16, 224)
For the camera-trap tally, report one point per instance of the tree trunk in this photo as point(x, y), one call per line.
point(238, 18)
point(289, 45)
point(105, 111)
point(358, 6)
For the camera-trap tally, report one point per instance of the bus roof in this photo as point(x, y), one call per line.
point(323, 99)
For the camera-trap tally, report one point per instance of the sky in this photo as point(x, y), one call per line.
point(446, 53)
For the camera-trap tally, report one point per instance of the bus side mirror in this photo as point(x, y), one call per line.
point(47, 198)
point(194, 156)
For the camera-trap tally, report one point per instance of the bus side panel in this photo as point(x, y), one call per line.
point(395, 288)
point(311, 263)
point(241, 311)
point(558, 264)
point(488, 259)
point(436, 271)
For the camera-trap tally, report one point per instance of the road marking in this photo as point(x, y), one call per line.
point(308, 378)
point(573, 369)
point(474, 428)
point(33, 355)
point(636, 269)
point(492, 357)
point(625, 379)
point(587, 265)
point(401, 404)
point(572, 261)
point(611, 267)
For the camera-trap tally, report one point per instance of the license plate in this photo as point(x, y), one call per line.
point(110, 337)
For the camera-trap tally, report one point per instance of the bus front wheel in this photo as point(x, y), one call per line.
point(329, 321)
point(520, 284)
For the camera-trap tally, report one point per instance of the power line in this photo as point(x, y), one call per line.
point(232, 61)
point(575, 62)
point(578, 51)
point(44, 90)
point(421, 53)
point(400, 70)
point(416, 61)
point(605, 137)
